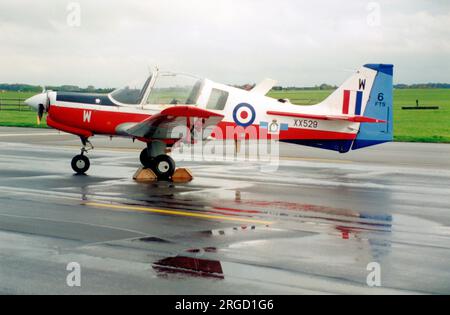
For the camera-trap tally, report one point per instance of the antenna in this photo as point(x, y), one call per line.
point(151, 71)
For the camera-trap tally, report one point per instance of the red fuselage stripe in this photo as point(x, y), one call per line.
point(76, 121)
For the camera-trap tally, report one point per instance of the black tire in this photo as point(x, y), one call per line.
point(146, 160)
point(163, 166)
point(80, 164)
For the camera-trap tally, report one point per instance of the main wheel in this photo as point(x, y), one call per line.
point(146, 160)
point(163, 166)
point(80, 164)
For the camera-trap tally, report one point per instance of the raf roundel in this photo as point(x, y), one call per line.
point(244, 115)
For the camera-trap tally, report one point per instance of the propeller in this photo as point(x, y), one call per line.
point(40, 103)
point(44, 106)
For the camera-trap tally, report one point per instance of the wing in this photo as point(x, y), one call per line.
point(173, 123)
point(360, 119)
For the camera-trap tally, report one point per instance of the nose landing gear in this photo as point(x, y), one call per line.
point(81, 163)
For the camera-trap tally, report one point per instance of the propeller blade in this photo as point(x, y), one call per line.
point(47, 103)
point(40, 113)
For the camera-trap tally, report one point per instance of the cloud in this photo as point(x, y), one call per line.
point(296, 42)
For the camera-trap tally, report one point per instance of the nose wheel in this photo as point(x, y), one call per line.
point(81, 163)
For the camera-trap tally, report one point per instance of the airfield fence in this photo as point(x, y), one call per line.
point(13, 104)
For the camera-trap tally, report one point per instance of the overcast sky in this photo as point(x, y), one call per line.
point(296, 42)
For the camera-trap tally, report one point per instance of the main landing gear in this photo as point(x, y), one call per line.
point(155, 158)
point(81, 163)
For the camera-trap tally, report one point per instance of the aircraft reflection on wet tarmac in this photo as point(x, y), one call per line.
point(197, 265)
point(190, 266)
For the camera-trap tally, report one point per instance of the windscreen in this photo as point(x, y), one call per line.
point(171, 88)
point(132, 93)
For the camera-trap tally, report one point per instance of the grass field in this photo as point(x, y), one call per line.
point(15, 118)
point(416, 126)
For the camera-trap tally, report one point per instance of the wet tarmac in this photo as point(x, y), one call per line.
point(313, 226)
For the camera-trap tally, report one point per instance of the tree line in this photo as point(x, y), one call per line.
point(66, 88)
point(396, 86)
point(91, 89)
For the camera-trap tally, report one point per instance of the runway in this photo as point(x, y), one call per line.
point(312, 226)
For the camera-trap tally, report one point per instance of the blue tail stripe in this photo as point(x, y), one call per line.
point(359, 96)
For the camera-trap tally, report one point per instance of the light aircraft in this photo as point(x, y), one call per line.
point(357, 115)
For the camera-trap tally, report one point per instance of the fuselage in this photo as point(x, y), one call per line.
point(246, 114)
point(86, 112)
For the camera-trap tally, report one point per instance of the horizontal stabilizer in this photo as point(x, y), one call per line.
point(358, 119)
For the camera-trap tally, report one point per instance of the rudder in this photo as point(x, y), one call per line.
point(379, 106)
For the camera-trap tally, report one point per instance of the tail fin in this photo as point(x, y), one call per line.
point(379, 106)
point(367, 93)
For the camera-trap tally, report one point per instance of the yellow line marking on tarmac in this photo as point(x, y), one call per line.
point(176, 212)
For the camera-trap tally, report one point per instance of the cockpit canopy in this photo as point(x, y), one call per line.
point(131, 94)
point(160, 88)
